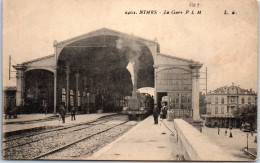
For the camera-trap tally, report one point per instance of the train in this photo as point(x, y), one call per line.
point(139, 107)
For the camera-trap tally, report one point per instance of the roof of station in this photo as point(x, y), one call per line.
point(10, 88)
point(104, 31)
point(39, 59)
point(178, 58)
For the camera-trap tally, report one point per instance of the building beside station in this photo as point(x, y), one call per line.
point(9, 94)
point(224, 100)
point(90, 69)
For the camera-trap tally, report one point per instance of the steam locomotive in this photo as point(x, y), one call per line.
point(138, 107)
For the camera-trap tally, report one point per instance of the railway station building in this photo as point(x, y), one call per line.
point(91, 69)
point(222, 102)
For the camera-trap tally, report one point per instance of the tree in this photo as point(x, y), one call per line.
point(246, 114)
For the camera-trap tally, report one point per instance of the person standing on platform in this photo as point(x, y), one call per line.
point(161, 112)
point(155, 113)
point(45, 108)
point(63, 113)
point(230, 135)
point(59, 111)
point(73, 113)
point(162, 118)
point(164, 111)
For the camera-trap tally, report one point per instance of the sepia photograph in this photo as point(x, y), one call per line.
point(129, 80)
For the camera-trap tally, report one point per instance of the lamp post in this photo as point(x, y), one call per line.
point(247, 141)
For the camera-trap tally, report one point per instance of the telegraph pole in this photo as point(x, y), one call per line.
point(9, 67)
point(206, 80)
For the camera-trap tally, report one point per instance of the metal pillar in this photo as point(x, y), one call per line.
point(68, 91)
point(55, 91)
point(179, 96)
point(155, 84)
point(247, 141)
point(36, 90)
point(206, 80)
point(85, 81)
point(77, 89)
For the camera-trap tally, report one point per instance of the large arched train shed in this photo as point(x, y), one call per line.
point(91, 69)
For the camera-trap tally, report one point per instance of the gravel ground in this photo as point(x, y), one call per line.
point(35, 145)
point(90, 146)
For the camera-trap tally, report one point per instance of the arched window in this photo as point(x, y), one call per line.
point(209, 100)
point(222, 100)
point(71, 98)
point(78, 98)
point(243, 100)
point(216, 110)
point(63, 96)
point(216, 100)
point(249, 100)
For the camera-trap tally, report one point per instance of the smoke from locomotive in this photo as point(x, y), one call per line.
point(133, 51)
point(138, 105)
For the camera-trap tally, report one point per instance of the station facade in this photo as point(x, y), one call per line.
point(91, 69)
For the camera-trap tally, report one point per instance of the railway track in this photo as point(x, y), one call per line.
point(75, 142)
point(59, 128)
point(87, 125)
point(55, 139)
point(74, 128)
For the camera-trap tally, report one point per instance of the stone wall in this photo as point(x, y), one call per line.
point(198, 147)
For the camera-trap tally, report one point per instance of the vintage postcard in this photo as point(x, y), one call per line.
point(129, 80)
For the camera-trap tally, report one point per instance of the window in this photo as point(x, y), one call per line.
point(243, 100)
point(216, 100)
point(249, 100)
point(78, 98)
point(63, 96)
point(222, 110)
point(71, 98)
point(232, 109)
point(63, 91)
point(179, 100)
point(209, 100)
point(222, 100)
point(216, 110)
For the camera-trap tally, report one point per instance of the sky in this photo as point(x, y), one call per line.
point(225, 43)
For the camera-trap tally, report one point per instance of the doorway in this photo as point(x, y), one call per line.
point(159, 98)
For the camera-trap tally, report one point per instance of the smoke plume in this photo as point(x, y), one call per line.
point(132, 50)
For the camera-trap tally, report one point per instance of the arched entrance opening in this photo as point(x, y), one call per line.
point(94, 70)
point(38, 91)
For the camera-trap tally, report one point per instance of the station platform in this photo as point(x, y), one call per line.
point(146, 141)
point(40, 121)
